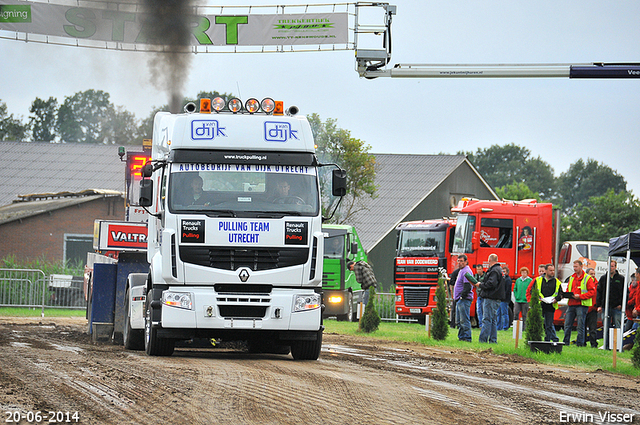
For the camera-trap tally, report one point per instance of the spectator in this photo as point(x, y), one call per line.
point(591, 321)
point(616, 289)
point(503, 310)
point(580, 291)
point(520, 294)
point(364, 276)
point(491, 289)
point(479, 276)
point(550, 290)
point(463, 296)
point(633, 303)
point(452, 283)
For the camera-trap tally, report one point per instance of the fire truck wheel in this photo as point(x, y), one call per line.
point(307, 350)
point(154, 345)
point(133, 338)
point(348, 317)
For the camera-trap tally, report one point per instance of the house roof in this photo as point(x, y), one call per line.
point(42, 203)
point(39, 167)
point(403, 182)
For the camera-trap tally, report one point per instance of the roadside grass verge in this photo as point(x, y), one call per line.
point(586, 358)
point(36, 312)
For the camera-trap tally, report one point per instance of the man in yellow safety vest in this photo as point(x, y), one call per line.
point(580, 292)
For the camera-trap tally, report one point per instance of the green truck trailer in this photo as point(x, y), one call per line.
point(340, 290)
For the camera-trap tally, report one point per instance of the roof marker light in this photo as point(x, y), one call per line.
point(268, 105)
point(218, 104)
point(252, 105)
point(205, 106)
point(279, 110)
point(235, 105)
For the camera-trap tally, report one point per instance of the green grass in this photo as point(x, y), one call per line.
point(583, 357)
point(36, 312)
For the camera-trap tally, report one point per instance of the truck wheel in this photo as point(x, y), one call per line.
point(154, 345)
point(348, 317)
point(133, 338)
point(307, 350)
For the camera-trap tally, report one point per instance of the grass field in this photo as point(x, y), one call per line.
point(36, 312)
point(583, 357)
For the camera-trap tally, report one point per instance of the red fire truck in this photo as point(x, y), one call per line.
point(423, 250)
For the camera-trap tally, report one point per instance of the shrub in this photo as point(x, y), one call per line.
point(440, 328)
point(635, 357)
point(535, 327)
point(370, 319)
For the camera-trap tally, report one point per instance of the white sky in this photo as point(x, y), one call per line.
point(559, 119)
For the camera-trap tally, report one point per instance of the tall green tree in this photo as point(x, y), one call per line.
point(335, 145)
point(602, 217)
point(586, 179)
point(43, 122)
point(440, 328)
point(123, 128)
point(11, 129)
point(517, 192)
point(508, 164)
point(84, 118)
point(535, 325)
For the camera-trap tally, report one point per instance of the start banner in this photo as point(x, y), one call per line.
point(130, 25)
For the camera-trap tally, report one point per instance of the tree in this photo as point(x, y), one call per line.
point(370, 319)
point(335, 145)
point(602, 217)
point(43, 123)
point(516, 192)
point(440, 328)
point(584, 180)
point(508, 164)
point(635, 356)
point(11, 129)
point(84, 118)
point(535, 328)
point(123, 128)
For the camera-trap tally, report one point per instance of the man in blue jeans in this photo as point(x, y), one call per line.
point(580, 291)
point(491, 289)
point(463, 296)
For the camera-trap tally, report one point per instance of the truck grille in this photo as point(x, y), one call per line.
point(242, 311)
point(417, 275)
point(330, 280)
point(416, 297)
point(254, 259)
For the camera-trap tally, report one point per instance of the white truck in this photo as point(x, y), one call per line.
point(235, 236)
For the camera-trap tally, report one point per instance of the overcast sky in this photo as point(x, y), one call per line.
point(560, 120)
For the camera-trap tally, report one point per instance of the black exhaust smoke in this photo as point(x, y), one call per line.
point(168, 24)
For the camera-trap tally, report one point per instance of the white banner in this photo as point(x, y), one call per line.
point(123, 25)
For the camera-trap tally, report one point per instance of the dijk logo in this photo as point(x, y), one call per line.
point(206, 130)
point(279, 131)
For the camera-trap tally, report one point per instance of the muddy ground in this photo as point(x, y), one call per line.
point(50, 365)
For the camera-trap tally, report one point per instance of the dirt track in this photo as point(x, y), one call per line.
point(51, 365)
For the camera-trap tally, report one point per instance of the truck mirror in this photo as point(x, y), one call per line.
point(147, 170)
point(475, 241)
point(354, 247)
point(339, 183)
point(146, 193)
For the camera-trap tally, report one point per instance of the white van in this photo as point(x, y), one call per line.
point(592, 254)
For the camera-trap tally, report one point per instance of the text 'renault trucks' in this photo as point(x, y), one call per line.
point(235, 236)
point(522, 234)
point(423, 251)
point(341, 292)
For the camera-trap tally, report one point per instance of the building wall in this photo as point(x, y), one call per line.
point(42, 236)
point(462, 182)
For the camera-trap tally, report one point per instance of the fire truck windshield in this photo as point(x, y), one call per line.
point(243, 190)
point(465, 227)
point(422, 243)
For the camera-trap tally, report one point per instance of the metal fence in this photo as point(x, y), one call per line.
point(385, 304)
point(32, 288)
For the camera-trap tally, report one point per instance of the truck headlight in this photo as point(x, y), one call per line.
point(336, 299)
point(177, 299)
point(306, 302)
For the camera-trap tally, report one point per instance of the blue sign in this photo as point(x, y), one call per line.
point(279, 131)
point(206, 130)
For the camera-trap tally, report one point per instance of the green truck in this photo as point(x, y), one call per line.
point(340, 290)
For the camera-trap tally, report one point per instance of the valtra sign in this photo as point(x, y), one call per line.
point(113, 236)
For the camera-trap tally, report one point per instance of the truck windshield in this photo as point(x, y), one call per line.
point(465, 227)
point(422, 243)
point(243, 190)
point(334, 246)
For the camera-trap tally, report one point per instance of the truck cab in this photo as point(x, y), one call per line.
point(422, 253)
point(339, 287)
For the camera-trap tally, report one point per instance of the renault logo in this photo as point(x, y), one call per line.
point(244, 275)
